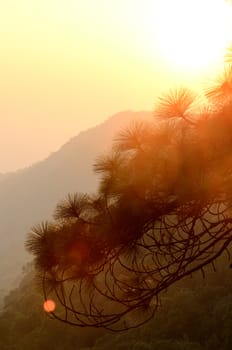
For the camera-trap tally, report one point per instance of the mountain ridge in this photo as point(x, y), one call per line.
point(30, 195)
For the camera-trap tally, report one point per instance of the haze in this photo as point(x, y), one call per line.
point(68, 65)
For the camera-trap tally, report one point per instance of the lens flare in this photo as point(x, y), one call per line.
point(49, 305)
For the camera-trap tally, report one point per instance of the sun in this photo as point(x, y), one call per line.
point(192, 34)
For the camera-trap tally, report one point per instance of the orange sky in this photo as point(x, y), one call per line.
point(67, 65)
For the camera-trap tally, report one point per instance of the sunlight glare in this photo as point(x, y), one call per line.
point(192, 35)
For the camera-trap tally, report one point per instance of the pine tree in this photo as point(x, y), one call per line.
point(163, 210)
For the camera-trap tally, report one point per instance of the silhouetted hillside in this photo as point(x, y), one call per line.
point(30, 195)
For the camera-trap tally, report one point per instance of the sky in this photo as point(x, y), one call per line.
point(67, 65)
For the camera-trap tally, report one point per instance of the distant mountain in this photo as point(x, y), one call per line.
point(30, 195)
point(3, 176)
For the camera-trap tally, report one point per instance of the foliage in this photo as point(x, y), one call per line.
point(195, 315)
point(162, 212)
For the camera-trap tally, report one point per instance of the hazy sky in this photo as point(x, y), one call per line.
point(67, 65)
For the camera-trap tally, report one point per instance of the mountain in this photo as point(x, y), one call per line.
point(30, 195)
point(3, 176)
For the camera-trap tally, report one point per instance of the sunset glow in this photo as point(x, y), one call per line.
point(68, 65)
point(193, 35)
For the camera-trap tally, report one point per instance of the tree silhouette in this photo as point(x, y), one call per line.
point(163, 211)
